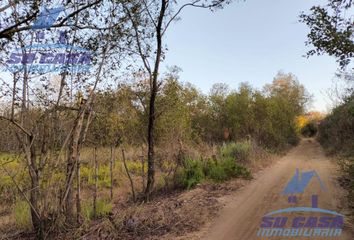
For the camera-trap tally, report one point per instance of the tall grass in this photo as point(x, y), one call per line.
point(103, 207)
point(22, 215)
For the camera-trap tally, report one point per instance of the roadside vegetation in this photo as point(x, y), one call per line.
point(199, 139)
point(336, 134)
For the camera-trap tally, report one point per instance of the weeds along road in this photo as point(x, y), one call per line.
point(242, 216)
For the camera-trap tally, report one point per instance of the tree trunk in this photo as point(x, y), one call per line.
point(142, 168)
point(34, 193)
point(71, 166)
point(151, 150)
point(153, 93)
point(78, 191)
point(111, 170)
point(96, 184)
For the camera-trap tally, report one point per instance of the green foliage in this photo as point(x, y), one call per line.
point(331, 30)
point(118, 120)
point(6, 183)
point(104, 177)
point(336, 130)
point(197, 170)
point(236, 150)
point(22, 215)
point(135, 167)
point(13, 167)
point(267, 116)
point(225, 169)
point(185, 114)
point(103, 207)
point(336, 136)
point(192, 173)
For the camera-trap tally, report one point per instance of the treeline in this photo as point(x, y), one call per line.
point(187, 115)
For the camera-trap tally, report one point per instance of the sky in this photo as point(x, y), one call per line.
point(248, 41)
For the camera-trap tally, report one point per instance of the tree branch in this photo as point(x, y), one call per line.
point(137, 38)
point(7, 33)
point(16, 124)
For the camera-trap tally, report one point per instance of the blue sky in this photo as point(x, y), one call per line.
point(248, 42)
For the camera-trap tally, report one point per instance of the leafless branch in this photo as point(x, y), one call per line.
point(137, 38)
point(16, 124)
point(6, 33)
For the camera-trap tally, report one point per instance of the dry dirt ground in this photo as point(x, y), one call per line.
point(241, 216)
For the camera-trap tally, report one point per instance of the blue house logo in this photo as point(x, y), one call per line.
point(303, 221)
point(300, 181)
point(44, 57)
point(47, 17)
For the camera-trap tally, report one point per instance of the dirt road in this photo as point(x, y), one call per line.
point(242, 215)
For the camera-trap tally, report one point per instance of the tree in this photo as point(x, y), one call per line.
point(153, 18)
point(287, 100)
point(239, 111)
point(218, 110)
point(331, 30)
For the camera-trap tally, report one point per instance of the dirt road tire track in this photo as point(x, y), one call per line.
point(241, 217)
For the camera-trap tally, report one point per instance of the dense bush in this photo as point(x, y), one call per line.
point(336, 134)
point(336, 130)
point(236, 150)
point(225, 169)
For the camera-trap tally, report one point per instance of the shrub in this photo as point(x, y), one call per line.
point(336, 130)
point(195, 171)
point(237, 150)
point(217, 173)
point(192, 173)
point(22, 215)
point(226, 169)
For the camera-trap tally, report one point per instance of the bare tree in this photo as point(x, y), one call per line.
point(153, 18)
